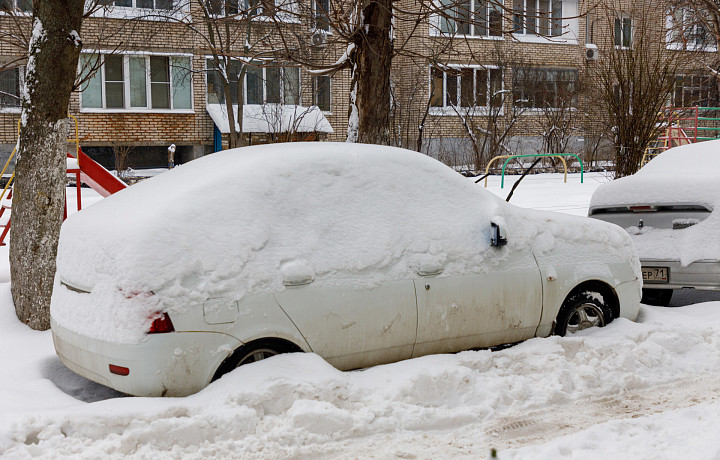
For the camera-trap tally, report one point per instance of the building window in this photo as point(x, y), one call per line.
point(16, 5)
point(623, 32)
point(471, 17)
point(687, 29)
point(321, 14)
point(10, 88)
point(247, 8)
point(544, 88)
point(471, 87)
point(146, 4)
point(137, 82)
point(271, 85)
point(538, 17)
point(321, 92)
point(695, 90)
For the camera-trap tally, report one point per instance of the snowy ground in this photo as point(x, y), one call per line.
point(644, 390)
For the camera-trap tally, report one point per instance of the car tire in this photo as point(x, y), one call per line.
point(253, 352)
point(580, 311)
point(656, 297)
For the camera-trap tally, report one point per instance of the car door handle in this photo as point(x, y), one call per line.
point(430, 270)
point(298, 280)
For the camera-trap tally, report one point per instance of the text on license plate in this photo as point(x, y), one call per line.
point(655, 274)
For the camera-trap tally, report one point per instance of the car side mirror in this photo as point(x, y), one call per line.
point(498, 238)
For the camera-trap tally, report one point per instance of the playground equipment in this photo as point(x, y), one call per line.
point(85, 169)
point(510, 157)
point(684, 125)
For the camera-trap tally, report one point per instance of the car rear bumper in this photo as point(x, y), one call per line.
point(703, 275)
point(172, 364)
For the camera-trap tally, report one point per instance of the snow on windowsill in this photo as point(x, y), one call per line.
point(561, 40)
point(168, 111)
point(449, 112)
point(272, 118)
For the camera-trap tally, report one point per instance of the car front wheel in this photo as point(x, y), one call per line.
point(582, 311)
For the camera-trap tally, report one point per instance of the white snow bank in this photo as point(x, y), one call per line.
point(299, 406)
point(223, 226)
point(272, 118)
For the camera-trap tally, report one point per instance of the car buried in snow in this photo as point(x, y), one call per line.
point(362, 254)
point(668, 208)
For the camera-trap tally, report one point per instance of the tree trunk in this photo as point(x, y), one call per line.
point(39, 191)
point(371, 75)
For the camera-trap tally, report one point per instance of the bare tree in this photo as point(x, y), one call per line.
point(372, 34)
point(632, 80)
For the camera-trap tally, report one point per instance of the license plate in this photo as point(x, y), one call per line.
point(655, 274)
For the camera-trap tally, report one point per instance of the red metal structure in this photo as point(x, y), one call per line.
point(86, 171)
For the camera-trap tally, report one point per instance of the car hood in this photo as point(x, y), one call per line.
point(561, 239)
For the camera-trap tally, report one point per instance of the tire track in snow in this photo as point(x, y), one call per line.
point(549, 423)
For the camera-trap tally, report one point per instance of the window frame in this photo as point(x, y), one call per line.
point(127, 92)
point(447, 110)
point(133, 6)
point(264, 81)
point(619, 24)
point(530, 109)
point(316, 15)
point(20, 82)
point(16, 9)
point(439, 22)
point(677, 34)
point(554, 19)
point(315, 92)
point(702, 89)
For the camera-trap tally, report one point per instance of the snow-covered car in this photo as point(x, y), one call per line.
point(361, 254)
point(668, 207)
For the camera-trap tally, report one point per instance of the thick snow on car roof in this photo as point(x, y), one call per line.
point(686, 174)
point(229, 224)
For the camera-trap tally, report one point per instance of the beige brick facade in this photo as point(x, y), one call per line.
point(411, 79)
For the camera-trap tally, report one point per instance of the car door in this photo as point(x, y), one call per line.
point(353, 328)
point(502, 305)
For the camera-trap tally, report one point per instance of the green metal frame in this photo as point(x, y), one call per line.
point(502, 177)
point(708, 128)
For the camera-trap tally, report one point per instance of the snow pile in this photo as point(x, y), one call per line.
point(224, 225)
point(298, 406)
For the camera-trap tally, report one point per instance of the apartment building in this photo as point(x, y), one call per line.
point(468, 75)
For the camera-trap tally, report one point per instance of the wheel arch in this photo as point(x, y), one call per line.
point(603, 288)
point(282, 345)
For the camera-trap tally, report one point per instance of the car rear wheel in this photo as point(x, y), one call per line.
point(657, 297)
point(256, 354)
point(253, 352)
point(582, 311)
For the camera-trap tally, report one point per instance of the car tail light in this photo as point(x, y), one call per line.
point(643, 208)
point(161, 324)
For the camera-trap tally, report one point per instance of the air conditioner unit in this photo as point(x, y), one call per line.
point(318, 38)
point(592, 53)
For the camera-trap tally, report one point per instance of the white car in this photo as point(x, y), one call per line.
point(361, 254)
point(668, 207)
